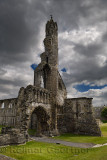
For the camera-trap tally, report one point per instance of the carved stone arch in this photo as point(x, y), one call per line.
point(42, 117)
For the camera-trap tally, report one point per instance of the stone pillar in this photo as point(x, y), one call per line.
point(48, 98)
point(41, 97)
point(36, 98)
point(44, 97)
point(38, 95)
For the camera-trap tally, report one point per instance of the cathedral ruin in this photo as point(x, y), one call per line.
point(44, 106)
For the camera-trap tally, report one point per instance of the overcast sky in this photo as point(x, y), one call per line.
point(82, 32)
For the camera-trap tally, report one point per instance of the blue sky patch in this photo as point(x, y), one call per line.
point(63, 70)
point(84, 88)
point(33, 66)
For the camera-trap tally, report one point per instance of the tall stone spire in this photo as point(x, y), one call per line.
point(51, 42)
point(51, 27)
point(48, 68)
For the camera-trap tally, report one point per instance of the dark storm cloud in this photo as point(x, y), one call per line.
point(15, 82)
point(69, 13)
point(88, 70)
point(104, 37)
point(2, 72)
point(19, 29)
point(72, 14)
point(90, 50)
point(13, 28)
point(20, 23)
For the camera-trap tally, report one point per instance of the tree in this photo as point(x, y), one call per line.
point(104, 113)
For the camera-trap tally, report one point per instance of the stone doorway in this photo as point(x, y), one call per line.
point(33, 123)
point(40, 121)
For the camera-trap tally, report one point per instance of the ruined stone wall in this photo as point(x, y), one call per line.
point(32, 100)
point(97, 112)
point(10, 107)
point(78, 117)
point(61, 91)
point(8, 112)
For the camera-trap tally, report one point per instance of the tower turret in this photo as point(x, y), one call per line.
point(51, 43)
point(51, 28)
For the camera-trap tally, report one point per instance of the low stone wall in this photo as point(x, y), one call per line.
point(11, 136)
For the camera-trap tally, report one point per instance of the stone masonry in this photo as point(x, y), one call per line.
point(44, 106)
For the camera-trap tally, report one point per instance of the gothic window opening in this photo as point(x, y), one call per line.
point(42, 82)
point(10, 105)
point(77, 110)
point(2, 106)
point(46, 59)
point(46, 74)
point(60, 86)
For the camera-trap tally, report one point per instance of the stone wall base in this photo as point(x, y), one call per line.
point(13, 136)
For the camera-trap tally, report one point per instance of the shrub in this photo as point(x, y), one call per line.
point(104, 113)
point(104, 121)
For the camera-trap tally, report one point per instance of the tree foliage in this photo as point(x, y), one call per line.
point(104, 112)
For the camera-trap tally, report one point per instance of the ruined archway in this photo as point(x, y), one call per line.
point(40, 121)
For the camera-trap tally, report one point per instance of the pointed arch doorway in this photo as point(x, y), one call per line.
point(40, 121)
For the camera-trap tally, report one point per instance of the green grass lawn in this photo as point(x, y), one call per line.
point(45, 151)
point(86, 139)
point(0, 128)
point(104, 129)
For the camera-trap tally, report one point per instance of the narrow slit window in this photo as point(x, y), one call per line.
point(46, 59)
point(2, 105)
point(42, 82)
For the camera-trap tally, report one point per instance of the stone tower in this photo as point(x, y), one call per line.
point(50, 57)
point(46, 74)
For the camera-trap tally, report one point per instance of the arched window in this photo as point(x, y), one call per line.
point(46, 59)
point(60, 85)
point(10, 105)
point(2, 106)
point(42, 82)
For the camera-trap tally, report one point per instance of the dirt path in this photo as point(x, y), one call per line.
point(66, 143)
